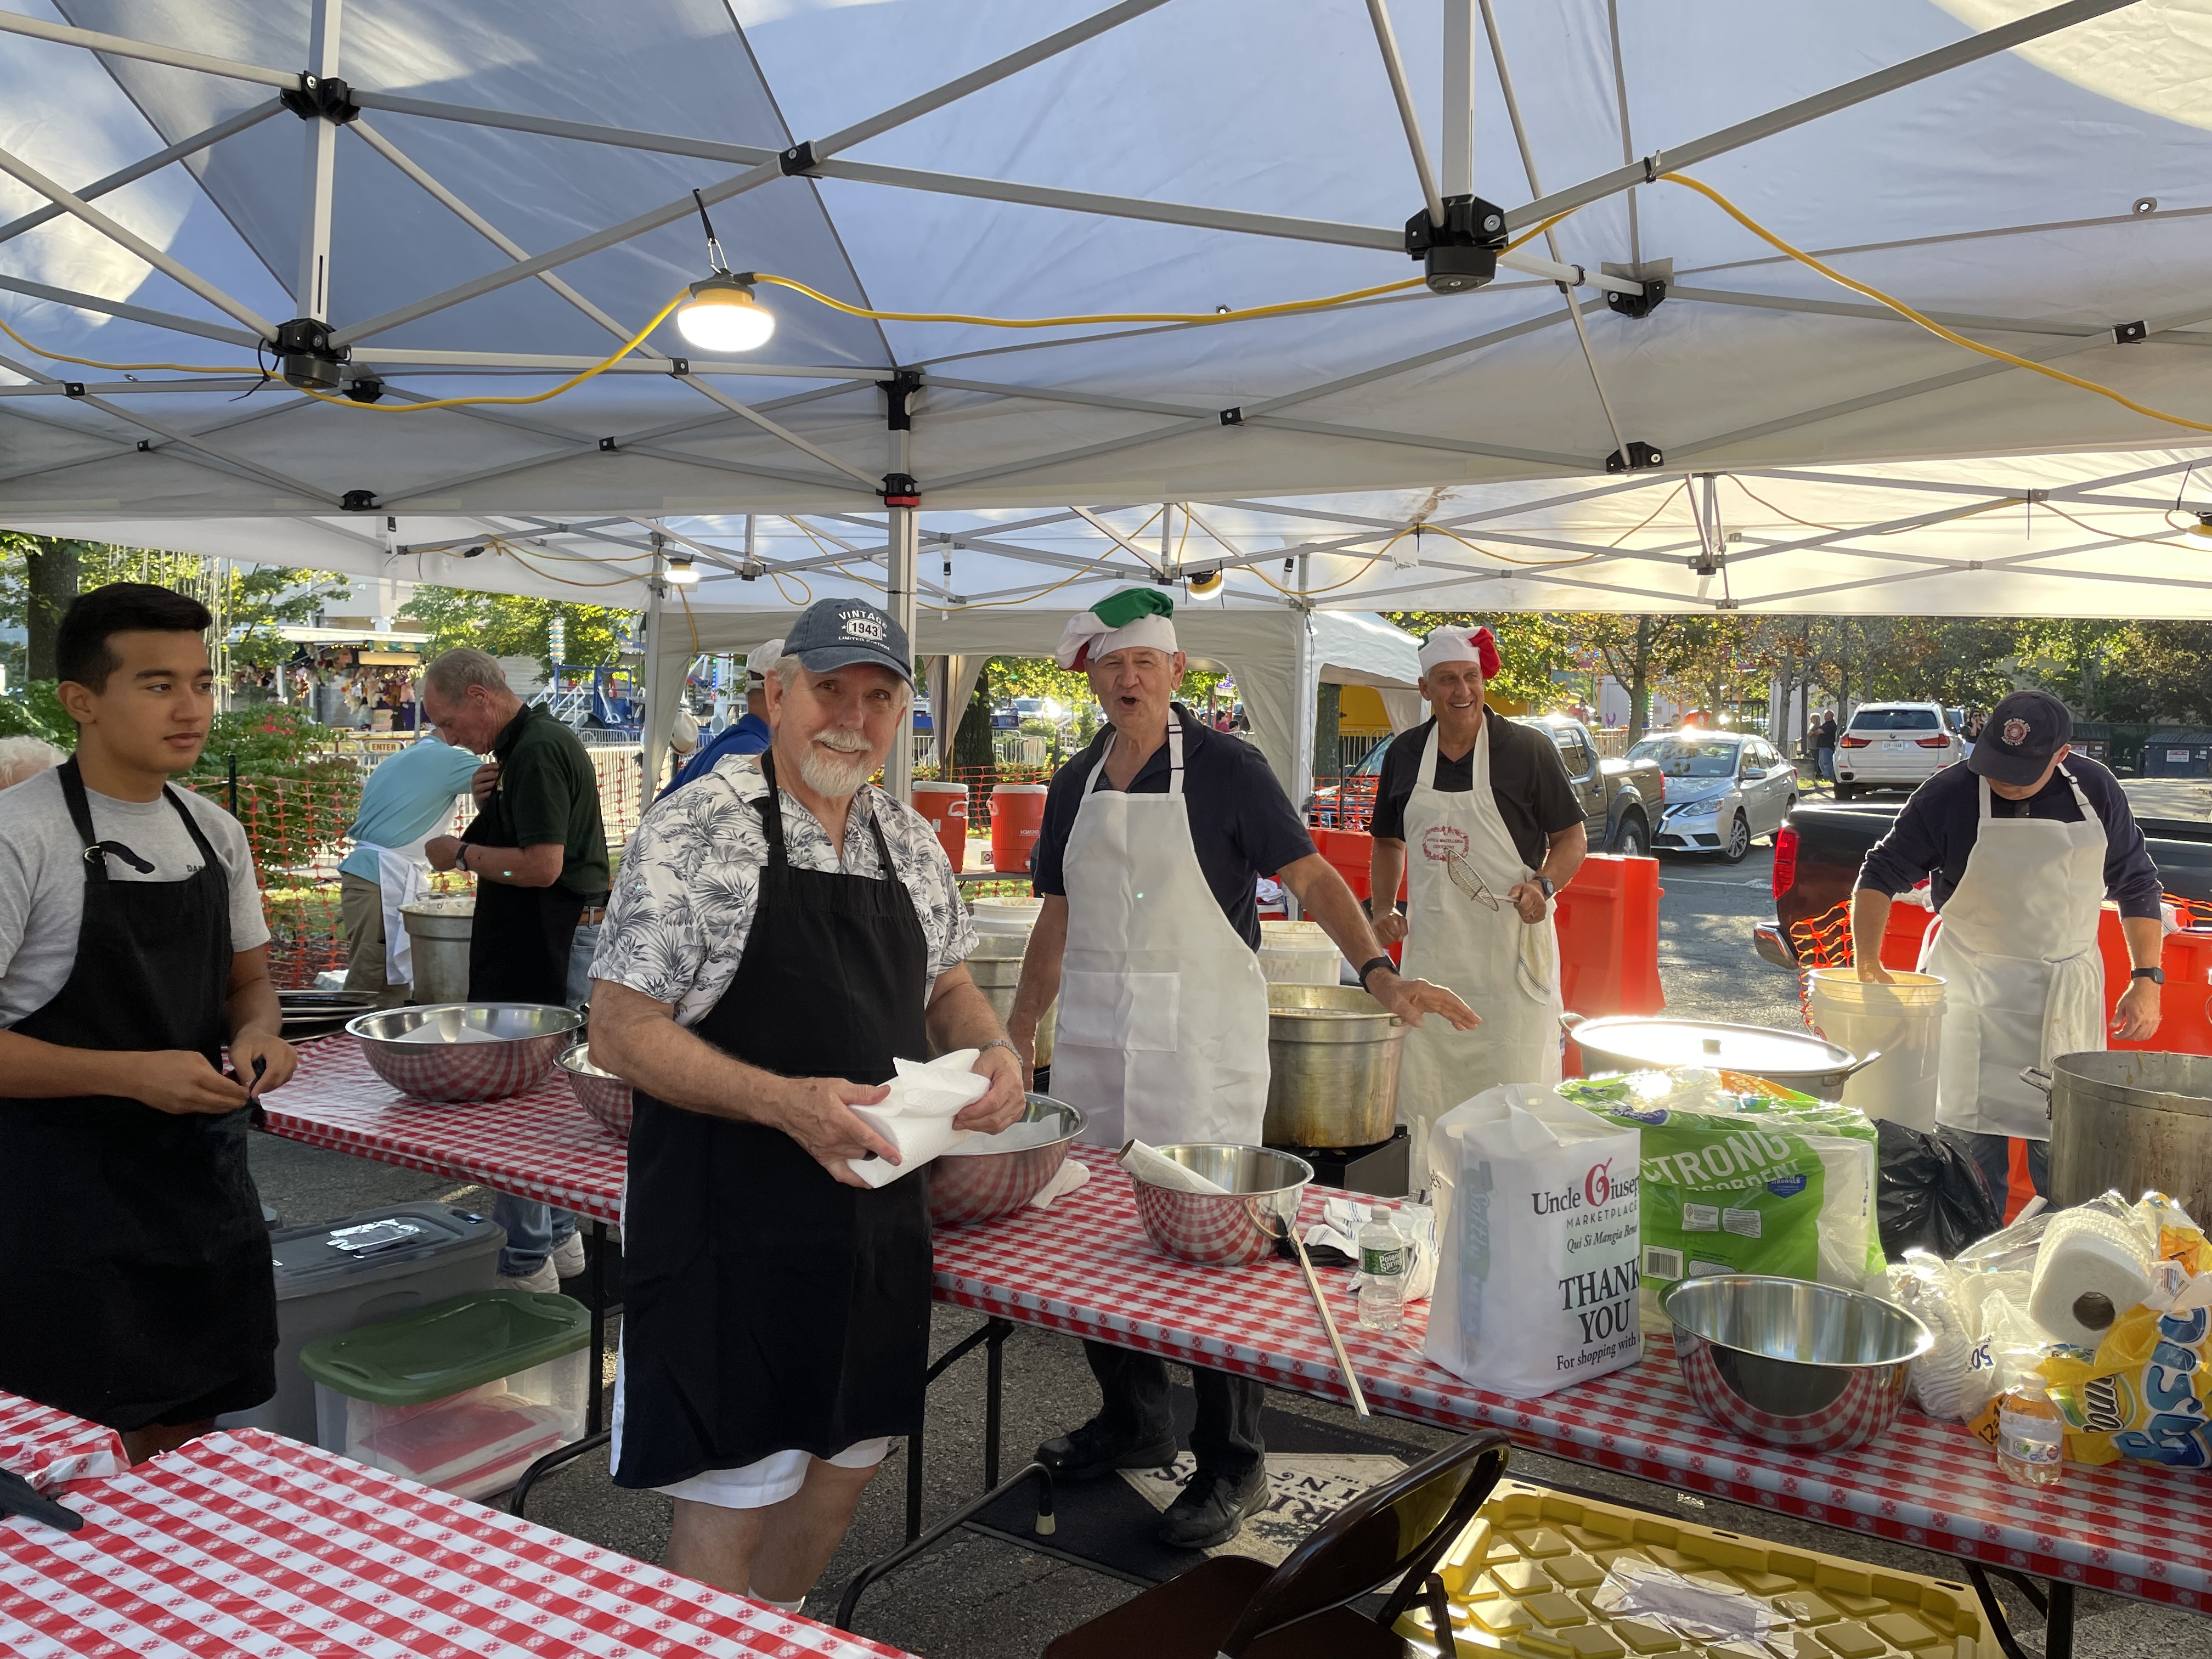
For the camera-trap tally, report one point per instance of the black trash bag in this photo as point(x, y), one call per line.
point(1930, 1194)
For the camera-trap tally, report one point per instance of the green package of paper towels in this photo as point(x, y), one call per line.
point(1744, 1176)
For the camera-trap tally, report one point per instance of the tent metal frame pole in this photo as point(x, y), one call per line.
point(653, 741)
point(146, 165)
point(1874, 313)
point(311, 292)
point(71, 203)
point(168, 320)
point(1386, 42)
point(1458, 147)
point(903, 602)
point(1627, 143)
point(431, 357)
point(118, 46)
point(1974, 48)
point(766, 173)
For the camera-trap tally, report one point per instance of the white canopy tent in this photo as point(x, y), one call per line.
point(485, 200)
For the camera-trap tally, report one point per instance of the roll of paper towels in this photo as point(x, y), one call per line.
point(2091, 1269)
point(1147, 1165)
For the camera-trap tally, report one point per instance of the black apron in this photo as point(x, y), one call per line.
point(139, 1288)
point(518, 946)
point(769, 1307)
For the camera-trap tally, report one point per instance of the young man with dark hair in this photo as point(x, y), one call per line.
point(132, 948)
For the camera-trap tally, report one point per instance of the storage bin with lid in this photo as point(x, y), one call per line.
point(463, 1395)
point(370, 1267)
point(1297, 953)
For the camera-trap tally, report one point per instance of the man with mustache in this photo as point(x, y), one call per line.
point(782, 933)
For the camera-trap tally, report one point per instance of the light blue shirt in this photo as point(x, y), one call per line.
point(406, 798)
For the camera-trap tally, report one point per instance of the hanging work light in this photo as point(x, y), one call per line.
point(683, 573)
point(2202, 526)
point(722, 314)
point(1206, 584)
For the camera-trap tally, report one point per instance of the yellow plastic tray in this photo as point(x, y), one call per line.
point(1524, 1576)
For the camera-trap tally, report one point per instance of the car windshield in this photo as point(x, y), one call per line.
point(1894, 720)
point(1689, 758)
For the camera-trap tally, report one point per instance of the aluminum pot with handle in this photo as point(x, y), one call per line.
point(2131, 1119)
point(1795, 1059)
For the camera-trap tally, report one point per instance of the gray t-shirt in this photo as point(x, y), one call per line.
point(42, 877)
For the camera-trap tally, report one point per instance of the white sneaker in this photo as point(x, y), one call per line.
point(568, 1256)
point(545, 1278)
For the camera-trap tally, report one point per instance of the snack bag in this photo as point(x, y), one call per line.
point(2178, 1238)
point(1761, 1180)
point(2146, 1396)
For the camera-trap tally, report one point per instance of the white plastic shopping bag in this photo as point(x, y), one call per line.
point(1537, 1243)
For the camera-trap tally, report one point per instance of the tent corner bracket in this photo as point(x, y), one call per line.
point(1232, 416)
point(799, 160)
point(900, 489)
point(1640, 456)
point(2130, 333)
point(1462, 253)
point(320, 97)
point(898, 393)
point(358, 501)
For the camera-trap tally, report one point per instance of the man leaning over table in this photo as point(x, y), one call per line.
point(782, 933)
point(1154, 840)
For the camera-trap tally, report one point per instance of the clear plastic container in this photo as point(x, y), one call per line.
point(463, 1396)
point(1297, 953)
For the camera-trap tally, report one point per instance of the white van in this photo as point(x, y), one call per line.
point(1894, 746)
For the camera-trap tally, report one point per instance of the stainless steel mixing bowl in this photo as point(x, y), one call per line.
point(1791, 1364)
point(1229, 1229)
point(988, 1176)
point(602, 1094)
point(525, 1039)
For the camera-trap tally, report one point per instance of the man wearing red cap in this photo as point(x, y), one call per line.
point(1496, 830)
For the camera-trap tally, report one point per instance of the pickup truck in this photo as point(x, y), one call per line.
point(1818, 851)
point(1620, 799)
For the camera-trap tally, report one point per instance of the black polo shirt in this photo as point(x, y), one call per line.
point(1528, 779)
point(549, 791)
point(1241, 824)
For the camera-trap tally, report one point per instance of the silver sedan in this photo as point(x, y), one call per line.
point(1723, 790)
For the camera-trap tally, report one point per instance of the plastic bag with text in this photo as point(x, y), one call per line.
point(1536, 1233)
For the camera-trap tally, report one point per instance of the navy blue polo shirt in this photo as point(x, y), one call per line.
point(1940, 824)
point(1242, 823)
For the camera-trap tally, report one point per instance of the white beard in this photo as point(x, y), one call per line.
point(830, 773)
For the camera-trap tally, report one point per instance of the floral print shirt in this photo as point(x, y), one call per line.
point(682, 908)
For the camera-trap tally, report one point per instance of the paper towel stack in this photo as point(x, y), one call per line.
point(917, 1116)
point(1147, 1165)
point(2092, 1268)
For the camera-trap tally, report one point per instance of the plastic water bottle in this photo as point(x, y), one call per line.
point(1382, 1274)
point(2031, 1436)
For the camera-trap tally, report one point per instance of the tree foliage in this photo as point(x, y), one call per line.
point(509, 625)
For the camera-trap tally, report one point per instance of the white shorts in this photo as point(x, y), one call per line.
point(770, 1480)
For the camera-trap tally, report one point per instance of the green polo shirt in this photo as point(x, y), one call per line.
point(549, 791)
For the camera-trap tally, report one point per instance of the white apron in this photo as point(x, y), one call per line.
point(2023, 979)
point(399, 880)
point(1162, 1032)
point(1465, 934)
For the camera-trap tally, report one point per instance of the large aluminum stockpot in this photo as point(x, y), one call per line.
point(995, 965)
point(2131, 1119)
point(1795, 1059)
point(989, 1175)
point(1232, 1227)
point(438, 931)
point(465, 1051)
point(1808, 1366)
point(1332, 1058)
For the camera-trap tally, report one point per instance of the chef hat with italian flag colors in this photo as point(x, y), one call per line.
point(1473, 645)
point(1134, 616)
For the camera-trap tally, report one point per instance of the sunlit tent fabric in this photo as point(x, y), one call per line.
point(513, 196)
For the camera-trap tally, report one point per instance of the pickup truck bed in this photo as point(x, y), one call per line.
point(1818, 855)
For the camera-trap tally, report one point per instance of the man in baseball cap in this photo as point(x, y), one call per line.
point(2020, 847)
point(746, 736)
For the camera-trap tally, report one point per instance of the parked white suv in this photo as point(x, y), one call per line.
point(1894, 746)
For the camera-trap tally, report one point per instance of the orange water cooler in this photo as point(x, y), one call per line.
point(1017, 816)
point(945, 806)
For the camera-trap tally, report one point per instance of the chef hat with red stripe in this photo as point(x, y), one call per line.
point(1474, 645)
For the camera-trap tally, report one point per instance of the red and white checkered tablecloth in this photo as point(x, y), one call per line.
point(1085, 1267)
point(246, 1544)
point(47, 1447)
point(540, 1145)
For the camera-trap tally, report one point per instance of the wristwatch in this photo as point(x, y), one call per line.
point(2155, 976)
point(461, 857)
point(1000, 1042)
point(1371, 964)
point(1545, 883)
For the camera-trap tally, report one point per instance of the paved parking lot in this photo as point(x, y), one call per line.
point(977, 1598)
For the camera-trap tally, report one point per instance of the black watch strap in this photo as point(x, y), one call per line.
point(1372, 963)
point(2155, 976)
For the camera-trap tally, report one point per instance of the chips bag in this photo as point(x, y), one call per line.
point(2146, 1394)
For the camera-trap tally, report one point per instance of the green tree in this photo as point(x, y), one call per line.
point(1638, 652)
point(1534, 647)
point(509, 625)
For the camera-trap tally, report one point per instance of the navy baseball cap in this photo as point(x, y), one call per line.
point(2023, 732)
point(838, 633)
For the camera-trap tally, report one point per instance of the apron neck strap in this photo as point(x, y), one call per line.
point(98, 851)
point(1175, 758)
point(772, 821)
point(2080, 800)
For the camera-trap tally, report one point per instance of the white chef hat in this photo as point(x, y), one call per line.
point(1452, 644)
point(1134, 616)
point(762, 658)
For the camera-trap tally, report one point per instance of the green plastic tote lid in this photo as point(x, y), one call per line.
point(1748, 1180)
point(1536, 1232)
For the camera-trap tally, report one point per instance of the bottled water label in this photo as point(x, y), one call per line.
point(2029, 1439)
point(1380, 1263)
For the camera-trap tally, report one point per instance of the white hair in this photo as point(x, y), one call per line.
point(451, 673)
point(24, 757)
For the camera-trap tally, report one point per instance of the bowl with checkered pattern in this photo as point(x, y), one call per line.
point(1232, 1227)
